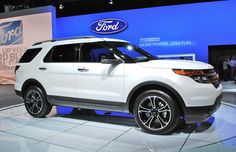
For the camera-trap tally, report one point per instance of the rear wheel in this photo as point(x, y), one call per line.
point(156, 112)
point(36, 102)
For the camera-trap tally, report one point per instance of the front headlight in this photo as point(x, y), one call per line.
point(197, 75)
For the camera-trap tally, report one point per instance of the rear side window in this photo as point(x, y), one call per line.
point(29, 55)
point(61, 53)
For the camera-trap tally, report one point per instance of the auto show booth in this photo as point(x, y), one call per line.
point(199, 31)
point(191, 31)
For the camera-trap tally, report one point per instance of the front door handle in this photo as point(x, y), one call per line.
point(83, 70)
point(42, 68)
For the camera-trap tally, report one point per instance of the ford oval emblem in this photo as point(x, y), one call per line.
point(108, 26)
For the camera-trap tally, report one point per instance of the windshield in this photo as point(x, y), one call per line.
point(132, 51)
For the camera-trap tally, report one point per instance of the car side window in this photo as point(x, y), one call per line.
point(29, 55)
point(91, 52)
point(62, 53)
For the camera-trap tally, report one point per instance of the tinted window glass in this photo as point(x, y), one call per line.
point(133, 52)
point(29, 55)
point(130, 51)
point(95, 53)
point(62, 53)
point(48, 57)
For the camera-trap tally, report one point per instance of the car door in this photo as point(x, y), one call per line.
point(96, 80)
point(56, 72)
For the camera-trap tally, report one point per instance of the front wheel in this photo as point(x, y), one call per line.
point(156, 112)
point(36, 103)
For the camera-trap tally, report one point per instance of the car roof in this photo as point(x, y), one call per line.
point(73, 40)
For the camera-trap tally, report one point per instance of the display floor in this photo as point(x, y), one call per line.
point(97, 132)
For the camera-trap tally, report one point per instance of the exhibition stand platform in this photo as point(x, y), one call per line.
point(97, 131)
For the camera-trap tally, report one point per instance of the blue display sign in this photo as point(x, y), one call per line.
point(108, 26)
point(163, 30)
point(11, 33)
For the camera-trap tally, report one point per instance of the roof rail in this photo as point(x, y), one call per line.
point(37, 43)
point(62, 39)
point(76, 37)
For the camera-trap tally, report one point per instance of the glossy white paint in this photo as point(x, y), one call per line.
point(58, 79)
point(100, 82)
point(176, 64)
point(114, 83)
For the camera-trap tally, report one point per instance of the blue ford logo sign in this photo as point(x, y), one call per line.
point(11, 33)
point(108, 26)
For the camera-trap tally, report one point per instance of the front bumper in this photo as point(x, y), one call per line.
point(200, 114)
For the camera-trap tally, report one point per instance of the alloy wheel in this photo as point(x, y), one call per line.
point(154, 112)
point(33, 102)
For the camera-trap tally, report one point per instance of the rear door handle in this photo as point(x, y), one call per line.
point(42, 68)
point(83, 70)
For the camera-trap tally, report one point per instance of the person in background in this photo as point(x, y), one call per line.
point(225, 69)
point(232, 64)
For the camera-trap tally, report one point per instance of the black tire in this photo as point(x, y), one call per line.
point(156, 112)
point(36, 102)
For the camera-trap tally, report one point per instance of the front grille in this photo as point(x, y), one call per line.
point(213, 77)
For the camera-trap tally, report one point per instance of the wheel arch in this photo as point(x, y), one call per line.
point(150, 85)
point(31, 82)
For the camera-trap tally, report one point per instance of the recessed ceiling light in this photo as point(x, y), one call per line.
point(110, 2)
point(61, 6)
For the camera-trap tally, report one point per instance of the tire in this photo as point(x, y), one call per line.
point(156, 112)
point(36, 102)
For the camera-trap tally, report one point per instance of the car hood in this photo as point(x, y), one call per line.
point(176, 64)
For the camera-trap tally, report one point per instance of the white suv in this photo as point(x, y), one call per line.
point(114, 75)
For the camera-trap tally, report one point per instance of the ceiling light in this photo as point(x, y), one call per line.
point(110, 2)
point(61, 6)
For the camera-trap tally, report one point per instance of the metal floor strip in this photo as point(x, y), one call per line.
point(12, 106)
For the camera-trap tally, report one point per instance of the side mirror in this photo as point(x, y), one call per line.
point(111, 61)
